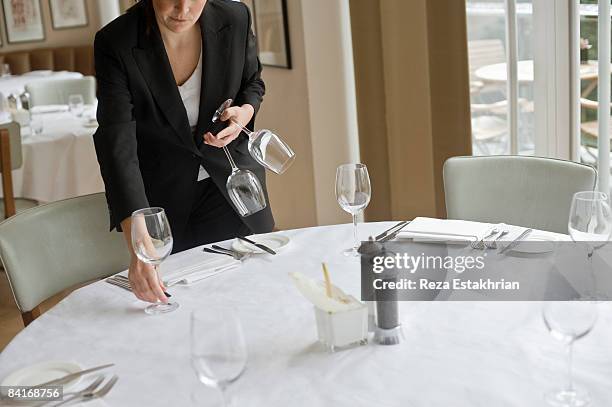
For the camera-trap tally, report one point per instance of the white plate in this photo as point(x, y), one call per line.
point(536, 244)
point(274, 241)
point(41, 373)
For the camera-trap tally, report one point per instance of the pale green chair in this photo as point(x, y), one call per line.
point(52, 247)
point(525, 191)
point(56, 92)
point(11, 158)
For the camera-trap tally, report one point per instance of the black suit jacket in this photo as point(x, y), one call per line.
point(147, 154)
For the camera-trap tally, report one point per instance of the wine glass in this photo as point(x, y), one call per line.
point(36, 124)
point(264, 146)
point(152, 242)
point(218, 347)
point(76, 104)
point(243, 186)
point(353, 192)
point(569, 321)
point(590, 222)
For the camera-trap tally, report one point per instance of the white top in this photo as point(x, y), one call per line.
point(190, 94)
point(460, 354)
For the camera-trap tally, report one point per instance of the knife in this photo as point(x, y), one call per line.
point(516, 241)
point(71, 376)
point(391, 230)
point(259, 245)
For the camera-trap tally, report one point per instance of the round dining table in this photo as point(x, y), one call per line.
point(452, 354)
point(498, 73)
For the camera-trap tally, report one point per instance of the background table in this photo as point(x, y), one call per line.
point(497, 73)
point(16, 83)
point(60, 163)
point(455, 353)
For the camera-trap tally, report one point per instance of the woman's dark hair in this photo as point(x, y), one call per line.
point(149, 13)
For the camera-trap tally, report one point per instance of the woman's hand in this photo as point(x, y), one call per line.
point(145, 283)
point(241, 115)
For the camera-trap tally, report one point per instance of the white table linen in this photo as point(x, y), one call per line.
point(59, 163)
point(454, 354)
point(16, 83)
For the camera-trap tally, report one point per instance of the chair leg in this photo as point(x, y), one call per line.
point(30, 316)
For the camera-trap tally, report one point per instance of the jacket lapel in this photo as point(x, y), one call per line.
point(216, 43)
point(153, 62)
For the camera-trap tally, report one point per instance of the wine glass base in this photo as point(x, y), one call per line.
point(352, 252)
point(156, 309)
point(568, 398)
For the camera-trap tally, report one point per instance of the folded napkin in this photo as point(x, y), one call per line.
point(194, 265)
point(40, 72)
point(444, 230)
point(49, 109)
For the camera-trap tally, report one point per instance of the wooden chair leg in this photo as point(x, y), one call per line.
point(7, 176)
point(30, 316)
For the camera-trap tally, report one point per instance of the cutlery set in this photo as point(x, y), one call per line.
point(215, 249)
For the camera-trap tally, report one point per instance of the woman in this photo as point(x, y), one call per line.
point(162, 69)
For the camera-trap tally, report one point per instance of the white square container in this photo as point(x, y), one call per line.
point(342, 329)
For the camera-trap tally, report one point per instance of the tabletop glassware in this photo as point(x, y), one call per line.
point(243, 186)
point(152, 242)
point(264, 146)
point(76, 104)
point(6, 70)
point(353, 192)
point(218, 347)
point(590, 222)
point(36, 124)
point(568, 321)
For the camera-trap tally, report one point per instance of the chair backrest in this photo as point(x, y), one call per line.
point(485, 52)
point(56, 92)
point(525, 191)
point(52, 247)
point(10, 159)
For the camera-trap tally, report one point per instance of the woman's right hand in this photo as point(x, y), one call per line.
point(145, 282)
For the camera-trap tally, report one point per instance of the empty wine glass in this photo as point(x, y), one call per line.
point(152, 242)
point(353, 192)
point(264, 146)
point(243, 186)
point(590, 222)
point(569, 321)
point(36, 124)
point(76, 104)
point(218, 347)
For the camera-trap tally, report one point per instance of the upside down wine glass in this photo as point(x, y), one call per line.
point(243, 186)
point(353, 192)
point(264, 146)
point(152, 242)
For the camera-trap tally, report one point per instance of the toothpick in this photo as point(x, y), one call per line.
point(328, 286)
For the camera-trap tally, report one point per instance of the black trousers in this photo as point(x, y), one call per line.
point(212, 219)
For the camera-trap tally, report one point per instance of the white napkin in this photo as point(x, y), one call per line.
point(444, 230)
point(194, 265)
point(314, 291)
point(49, 109)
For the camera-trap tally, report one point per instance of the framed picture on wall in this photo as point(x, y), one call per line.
point(272, 32)
point(68, 13)
point(23, 20)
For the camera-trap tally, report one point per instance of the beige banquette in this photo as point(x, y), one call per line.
point(75, 59)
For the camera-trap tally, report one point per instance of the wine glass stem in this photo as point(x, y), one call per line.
point(570, 352)
point(230, 159)
point(247, 131)
point(225, 396)
point(355, 230)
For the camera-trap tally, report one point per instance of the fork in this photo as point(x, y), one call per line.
point(90, 395)
point(235, 254)
point(480, 244)
point(504, 231)
point(86, 390)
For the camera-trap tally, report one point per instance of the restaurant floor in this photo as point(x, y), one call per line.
point(10, 317)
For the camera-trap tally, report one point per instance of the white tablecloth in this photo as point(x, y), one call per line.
point(455, 353)
point(60, 163)
point(16, 83)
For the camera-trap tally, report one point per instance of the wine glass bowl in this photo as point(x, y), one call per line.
point(246, 192)
point(218, 347)
point(590, 217)
point(264, 146)
point(76, 105)
point(152, 242)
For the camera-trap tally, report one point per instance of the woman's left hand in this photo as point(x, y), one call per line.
point(241, 115)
